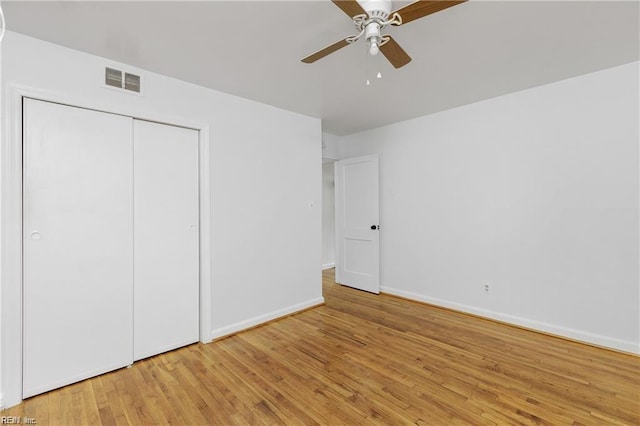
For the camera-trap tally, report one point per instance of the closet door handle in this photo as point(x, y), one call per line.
point(35, 235)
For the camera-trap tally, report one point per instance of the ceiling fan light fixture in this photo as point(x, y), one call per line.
point(373, 47)
point(372, 35)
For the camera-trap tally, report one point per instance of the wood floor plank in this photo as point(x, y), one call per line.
point(361, 359)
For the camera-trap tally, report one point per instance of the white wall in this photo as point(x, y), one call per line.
point(265, 172)
point(535, 193)
point(328, 216)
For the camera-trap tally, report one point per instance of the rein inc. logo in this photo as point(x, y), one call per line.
point(17, 420)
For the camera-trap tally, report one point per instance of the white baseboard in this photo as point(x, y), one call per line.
point(583, 336)
point(252, 322)
point(328, 265)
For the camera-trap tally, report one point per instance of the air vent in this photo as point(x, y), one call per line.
point(122, 80)
point(132, 82)
point(113, 77)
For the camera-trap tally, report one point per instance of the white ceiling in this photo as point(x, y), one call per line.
point(473, 51)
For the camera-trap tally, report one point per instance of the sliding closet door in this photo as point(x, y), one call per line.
point(166, 286)
point(77, 244)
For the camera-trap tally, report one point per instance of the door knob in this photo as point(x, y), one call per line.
point(374, 227)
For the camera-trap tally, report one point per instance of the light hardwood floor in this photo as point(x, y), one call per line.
point(361, 359)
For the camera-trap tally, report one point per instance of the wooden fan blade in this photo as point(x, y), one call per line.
point(422, 8)
point(324, 52)
point(394, 53)
point(350, 7)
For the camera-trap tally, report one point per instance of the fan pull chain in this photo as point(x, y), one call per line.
point(366, 68)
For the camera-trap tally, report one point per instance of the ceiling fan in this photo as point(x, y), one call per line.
point(371, 17)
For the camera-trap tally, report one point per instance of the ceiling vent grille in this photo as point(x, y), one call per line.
point(132, 82)
point(113, 77)
point(122, 80)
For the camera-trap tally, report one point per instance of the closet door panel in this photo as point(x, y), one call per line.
point(78, 244)
point(166, 266)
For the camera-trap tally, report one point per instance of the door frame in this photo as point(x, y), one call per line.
point(11, 280)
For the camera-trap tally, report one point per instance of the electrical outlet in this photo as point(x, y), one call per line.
point(486, 288)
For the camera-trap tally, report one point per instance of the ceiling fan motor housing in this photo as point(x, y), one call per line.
point(379, 9)
point(372, 30)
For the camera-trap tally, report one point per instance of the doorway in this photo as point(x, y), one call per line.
point(328, 214)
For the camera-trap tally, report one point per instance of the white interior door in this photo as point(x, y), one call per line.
point(77, 245)
point(166, 266)
point(357, 223)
